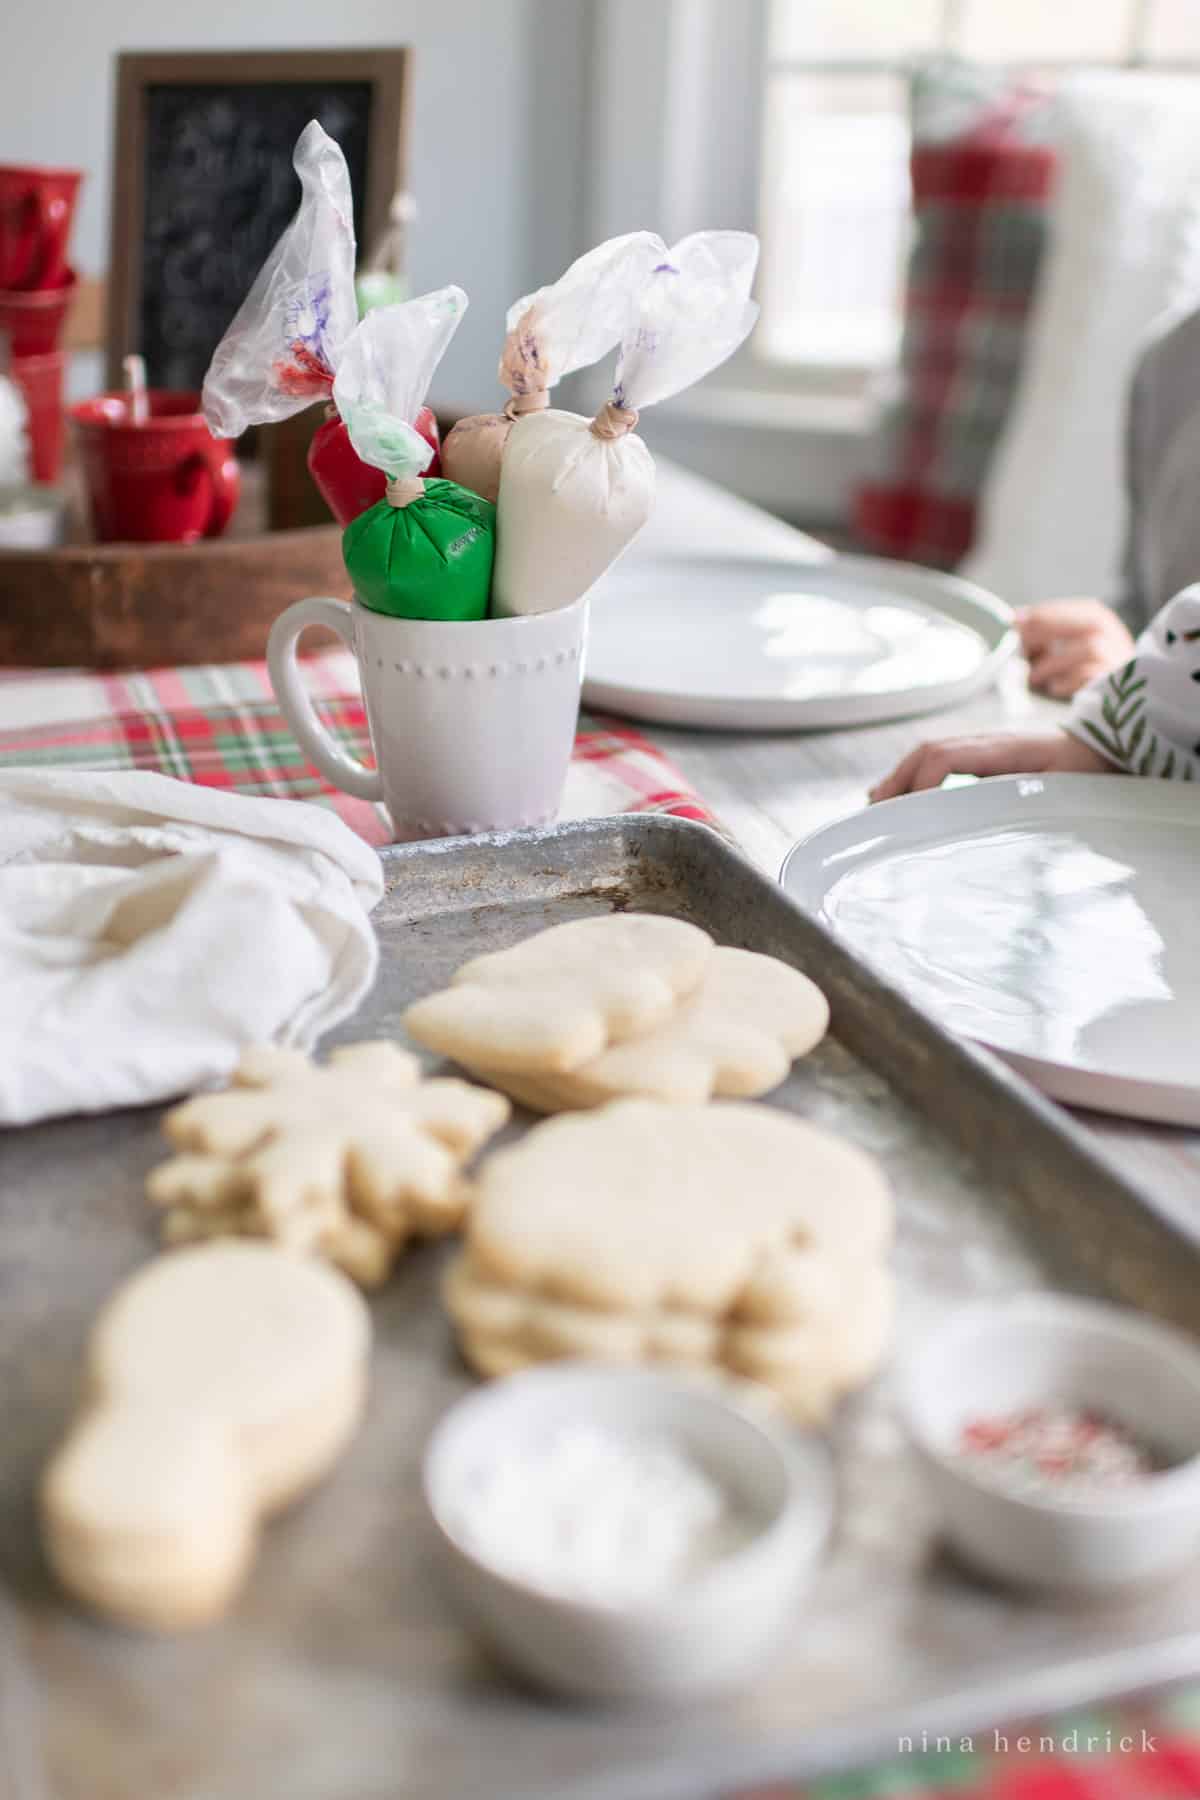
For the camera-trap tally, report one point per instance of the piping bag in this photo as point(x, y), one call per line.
point(573, 322)
point(575, 491)
point(425, 550)
point(284, 346)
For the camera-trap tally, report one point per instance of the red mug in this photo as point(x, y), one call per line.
point(167, 480)
point(40, 379)
point(32, 321)
point(36, 209)
point(345, 482)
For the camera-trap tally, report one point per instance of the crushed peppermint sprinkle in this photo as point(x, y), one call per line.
point(596, 1515)
point(1045, 1448)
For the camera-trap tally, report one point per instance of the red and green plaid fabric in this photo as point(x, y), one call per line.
point(220, 725)
point(981, 176)
point(1147, 1750)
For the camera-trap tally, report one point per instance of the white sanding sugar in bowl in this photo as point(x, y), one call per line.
point(593, 1514)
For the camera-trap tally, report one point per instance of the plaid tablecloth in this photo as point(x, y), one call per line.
point(219, 724)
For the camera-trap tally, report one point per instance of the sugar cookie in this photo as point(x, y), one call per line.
point(733, 1236)
point(348, 1160)
point(222, 1382)
point(735, 1035)
point(273, 1344)
point(146, 1516)
point(564, 995)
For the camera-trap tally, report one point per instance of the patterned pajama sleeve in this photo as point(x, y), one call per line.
point(1145, 716)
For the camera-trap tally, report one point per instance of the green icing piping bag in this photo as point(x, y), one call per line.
point(425, 550)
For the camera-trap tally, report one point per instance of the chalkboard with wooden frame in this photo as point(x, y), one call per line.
point(203, 182)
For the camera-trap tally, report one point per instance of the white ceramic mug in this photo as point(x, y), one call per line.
point(472, 722)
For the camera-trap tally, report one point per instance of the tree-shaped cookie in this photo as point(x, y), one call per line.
point(349, 1159)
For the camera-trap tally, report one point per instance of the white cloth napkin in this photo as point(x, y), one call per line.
point(151, 929)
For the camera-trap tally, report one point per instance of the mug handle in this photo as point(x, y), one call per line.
point(224, 480)
point(343, 770)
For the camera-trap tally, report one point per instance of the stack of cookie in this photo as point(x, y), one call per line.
point(734, 1239)
point(626, 1004)
point(348, 1161)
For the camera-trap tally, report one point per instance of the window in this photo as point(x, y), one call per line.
point(834, 204)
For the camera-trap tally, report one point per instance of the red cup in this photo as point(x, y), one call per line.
point(345, 482)
point(36, 210)
point(165, 481)
point(40, 379)
point(33, 321)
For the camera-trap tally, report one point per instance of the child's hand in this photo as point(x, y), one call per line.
point(1003, 754)
point(1071, 642)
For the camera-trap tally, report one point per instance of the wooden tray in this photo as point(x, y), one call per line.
point(113, 606)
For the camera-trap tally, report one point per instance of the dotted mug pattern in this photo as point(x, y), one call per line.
point(481, 671)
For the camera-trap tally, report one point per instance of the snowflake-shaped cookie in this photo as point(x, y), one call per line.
point(349, 1159)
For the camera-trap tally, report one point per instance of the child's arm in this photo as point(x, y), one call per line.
point(1003, 753)
point(1071, 642)
point(1143, 719)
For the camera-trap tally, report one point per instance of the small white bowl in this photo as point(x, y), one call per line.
point(704, 1633)
point(995, 1357)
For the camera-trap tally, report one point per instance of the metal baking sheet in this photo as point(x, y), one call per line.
point(343, 1674)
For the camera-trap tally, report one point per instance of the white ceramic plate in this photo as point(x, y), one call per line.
point(744, 643)
point(1053, 918)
